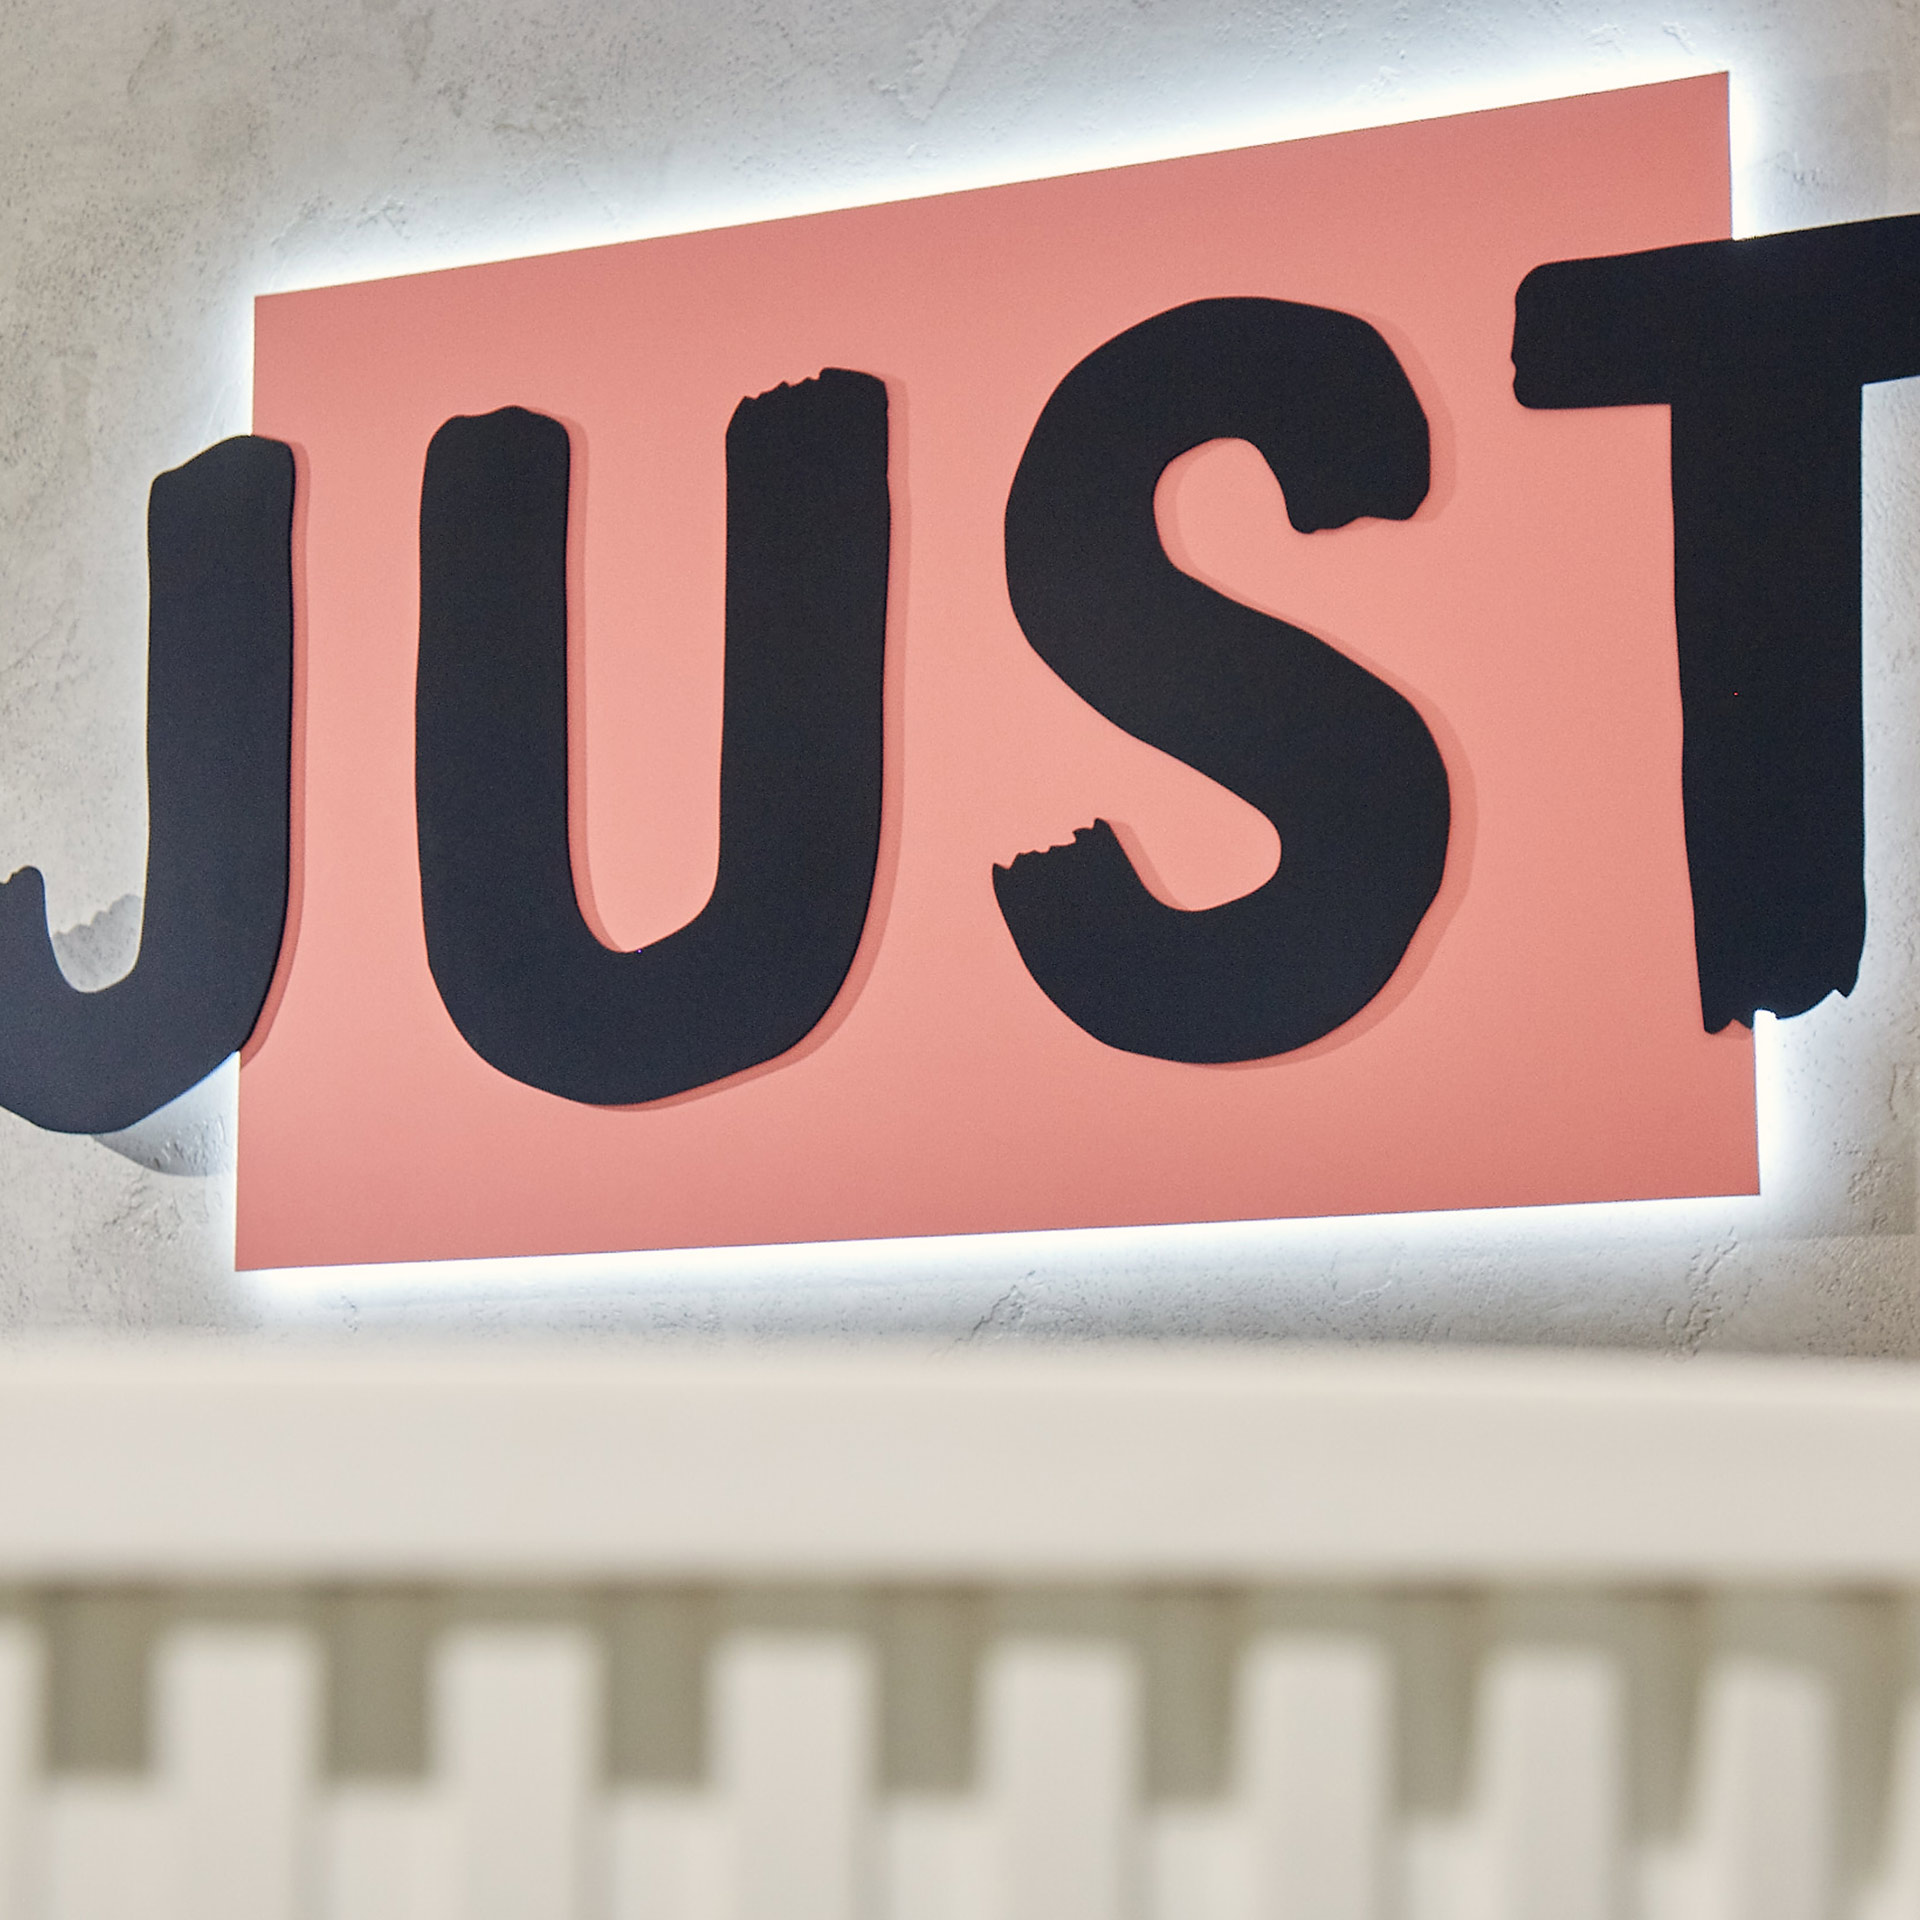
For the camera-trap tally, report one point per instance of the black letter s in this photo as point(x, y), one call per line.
point(1340, 763)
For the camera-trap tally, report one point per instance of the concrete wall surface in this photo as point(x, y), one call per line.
point(164, 161)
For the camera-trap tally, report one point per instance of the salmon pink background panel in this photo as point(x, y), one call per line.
point(1541, 1040)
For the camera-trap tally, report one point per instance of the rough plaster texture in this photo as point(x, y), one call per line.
point(163, 162)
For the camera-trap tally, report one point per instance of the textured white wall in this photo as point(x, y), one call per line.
point(162, 163)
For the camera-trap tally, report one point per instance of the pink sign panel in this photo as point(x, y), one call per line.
point(1540, 1039)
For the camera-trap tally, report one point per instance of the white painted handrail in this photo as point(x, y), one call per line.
point(240, 1462)
point(513, 1633)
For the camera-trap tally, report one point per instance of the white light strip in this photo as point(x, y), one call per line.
point(388, 251)
point(1301, 1244)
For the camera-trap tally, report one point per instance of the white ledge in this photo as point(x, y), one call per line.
point(246, 1462)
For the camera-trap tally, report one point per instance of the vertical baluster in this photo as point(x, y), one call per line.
point(1195, 1836)
point(106, 1833)
point(385, 1853)
point(237, 1736)
point(1552, 1761)
point(383, 1839)
point(1660, 1639)
point(1061, 1734)
point(935, 1861)
point(664, 1843)
point(1766, 1763)
point(666, 1851)
point(794, 1751)
point(933, 1843)
point(1316, 1759)
point(109, 1851)
point(515, 1720)
point(1197, 1863)
point(1436, 1637)
point(1865, 1669)
point(21, 1707)
point(1893, 1892)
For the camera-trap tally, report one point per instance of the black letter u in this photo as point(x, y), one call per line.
point(522, 975)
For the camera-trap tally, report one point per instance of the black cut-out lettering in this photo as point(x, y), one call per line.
point(520, 971)
point(1340, 762)
point(1760, 349)
point(219, 715)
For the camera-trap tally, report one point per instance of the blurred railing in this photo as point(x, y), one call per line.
point(530, 1634)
